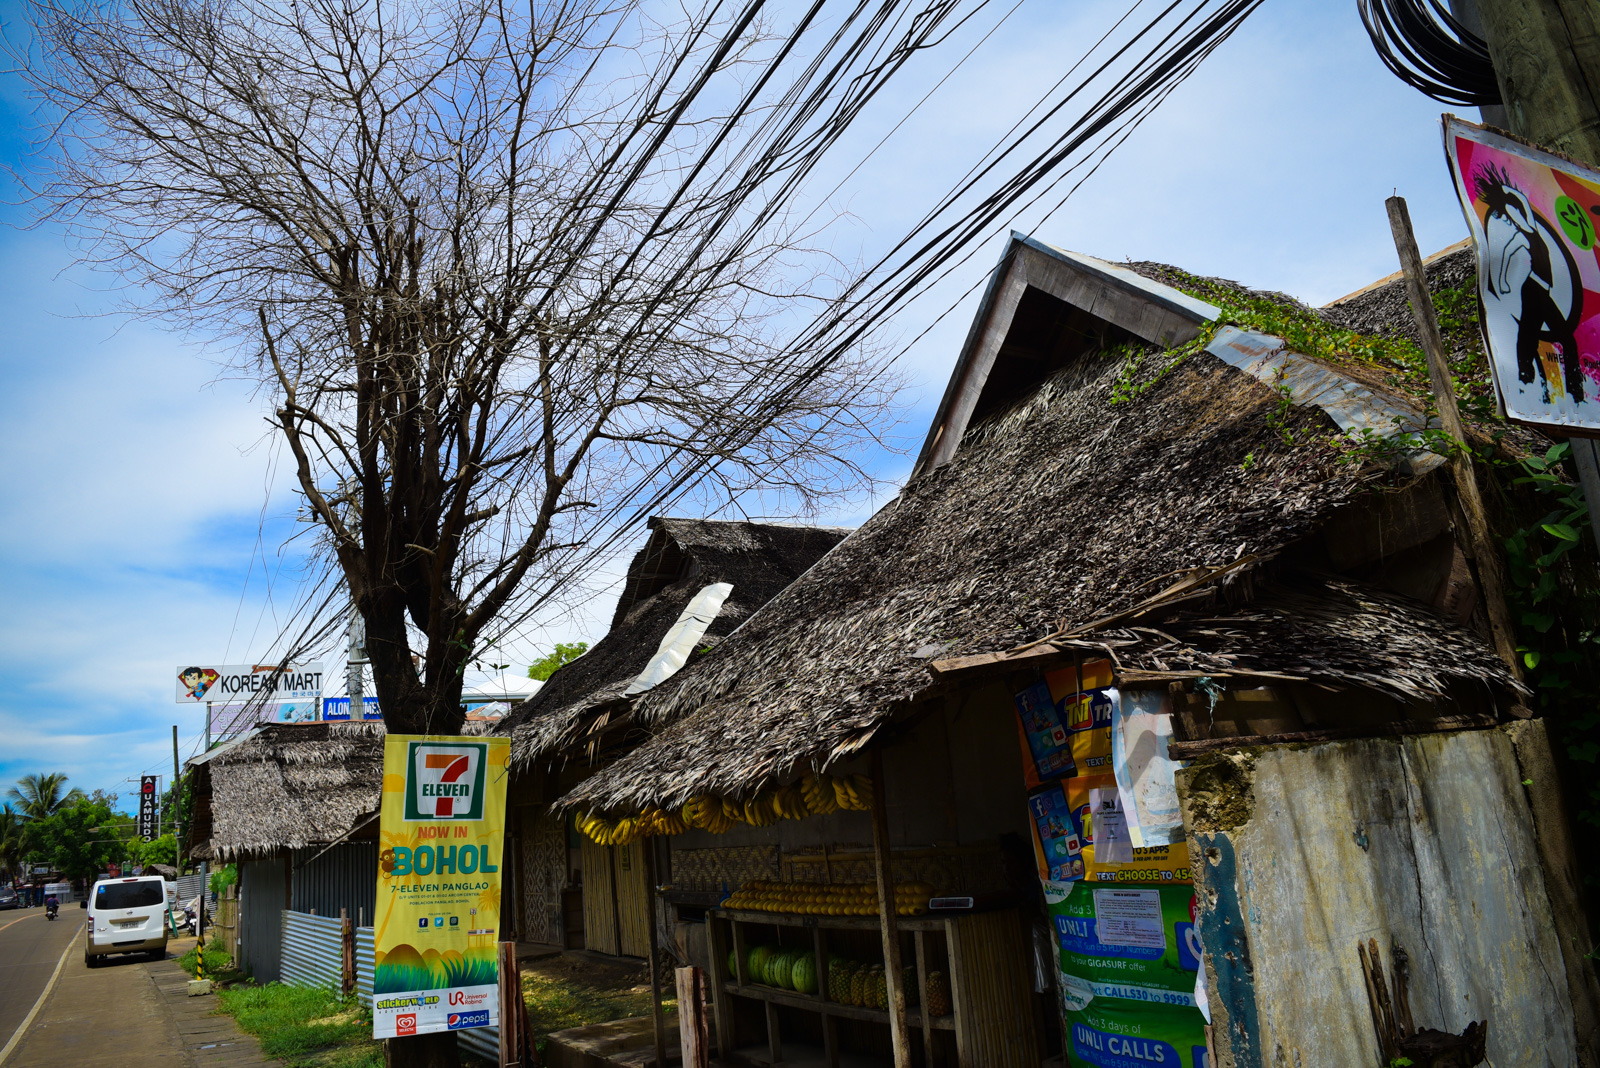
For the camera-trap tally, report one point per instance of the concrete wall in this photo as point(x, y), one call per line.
point(1425, 842)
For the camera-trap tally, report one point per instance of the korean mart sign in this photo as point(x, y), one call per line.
point(1533, 217)
point(435, 929)
point(239, 683)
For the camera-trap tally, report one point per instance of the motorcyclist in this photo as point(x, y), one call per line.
point(51, 905)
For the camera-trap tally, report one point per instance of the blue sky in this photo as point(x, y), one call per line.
point(143, 513)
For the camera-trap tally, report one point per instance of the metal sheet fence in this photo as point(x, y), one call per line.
point(312, 956)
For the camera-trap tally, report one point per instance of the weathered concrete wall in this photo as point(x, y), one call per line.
point(1425, 842)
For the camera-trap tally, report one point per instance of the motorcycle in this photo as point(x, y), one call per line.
point(50, 911)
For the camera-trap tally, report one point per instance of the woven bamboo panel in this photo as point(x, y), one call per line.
point(599, 899)
point(544, 873)
point(990, 964)
point(730, 866)
point(633, 899)
point(962, 871)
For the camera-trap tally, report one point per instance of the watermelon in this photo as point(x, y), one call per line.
point(733, 964)
point(756, 963)
point(803, 976)
point(782, 971)
point(770, 976)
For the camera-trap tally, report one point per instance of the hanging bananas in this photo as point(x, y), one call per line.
point(853, 792)
point(817, 789)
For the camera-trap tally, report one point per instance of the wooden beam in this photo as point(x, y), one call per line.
point(1188, 750)
point(1037, 656)
point(1486, 556)
point(658, 1019)
point(899, 1035)
point(694, 1038)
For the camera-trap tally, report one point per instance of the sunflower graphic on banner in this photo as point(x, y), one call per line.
point(441, 840)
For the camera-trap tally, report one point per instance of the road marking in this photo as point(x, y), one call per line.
point(22, 1029)
point(16, 921)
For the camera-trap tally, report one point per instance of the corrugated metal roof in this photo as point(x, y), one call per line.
point(1351, 405)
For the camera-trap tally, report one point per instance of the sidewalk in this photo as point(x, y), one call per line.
point(128, 1011)
point(207, 1041)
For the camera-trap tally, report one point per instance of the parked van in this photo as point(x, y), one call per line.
point(127, 916)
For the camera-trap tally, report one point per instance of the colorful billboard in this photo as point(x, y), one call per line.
point(246, 683)
point(441, 842)
point(1533, 217)
point(230, 720)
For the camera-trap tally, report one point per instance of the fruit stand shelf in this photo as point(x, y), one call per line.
point(927, 921)
point(835, 1008)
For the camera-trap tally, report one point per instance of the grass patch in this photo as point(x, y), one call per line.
point(219, 966)
point(305, 1027)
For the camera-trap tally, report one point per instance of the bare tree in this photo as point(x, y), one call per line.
point(504, 278)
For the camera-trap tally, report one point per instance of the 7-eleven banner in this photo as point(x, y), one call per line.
point(442, 832)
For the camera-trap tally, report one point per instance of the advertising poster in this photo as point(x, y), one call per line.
point(335, 709)
point(1533, 218)
point(242, 683)
point(230, 720)
point(441, 841)
point(1151, 863)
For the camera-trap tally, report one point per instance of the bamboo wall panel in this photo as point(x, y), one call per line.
point(599, 899)
point(633, 899)
point(990, 966)
point(544, 873)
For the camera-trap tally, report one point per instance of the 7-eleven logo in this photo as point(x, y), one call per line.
point(445, 781)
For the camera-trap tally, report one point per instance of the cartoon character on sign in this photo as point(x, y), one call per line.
point(196, 682)
point(1533, 282)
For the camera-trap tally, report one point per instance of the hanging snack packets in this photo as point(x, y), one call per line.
point(1065, 721)
point(1056, 847)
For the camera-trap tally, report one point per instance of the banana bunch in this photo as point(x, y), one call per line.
point(817, 789)
point(853, 792)
point(790, 802)
point(598, 830)
point(654, 821)
point(627, 829)
point(733, 811)
point(761, 810)
point(704, 813)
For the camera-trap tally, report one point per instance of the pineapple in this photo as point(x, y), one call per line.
point(908, 983)
point(858, 987)
point(938, 998)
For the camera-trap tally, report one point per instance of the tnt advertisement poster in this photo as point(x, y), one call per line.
point(441, 840)
point(1533, 217)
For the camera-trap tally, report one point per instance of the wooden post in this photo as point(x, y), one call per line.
point(922, 987)
point(347, 951)
point(899, 1036)
point(694, 1036)
point(516, 1041)
point(658, 1018)
point(1485, 555)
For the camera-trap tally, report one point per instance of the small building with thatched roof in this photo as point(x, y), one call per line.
point(692, 583)
point(1135, 476)
point(295, 806)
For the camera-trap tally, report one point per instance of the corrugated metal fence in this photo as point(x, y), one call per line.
point(312, 956)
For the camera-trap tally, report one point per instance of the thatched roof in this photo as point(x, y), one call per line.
point(1058, 514)
point(681, 557)
point(292, 785)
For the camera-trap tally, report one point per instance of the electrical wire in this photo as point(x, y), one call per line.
point(1431, 50)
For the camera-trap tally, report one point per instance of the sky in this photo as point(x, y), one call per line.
point(145, 516)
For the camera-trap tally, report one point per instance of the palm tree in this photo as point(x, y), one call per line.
point(13, 841)
point(41, 794)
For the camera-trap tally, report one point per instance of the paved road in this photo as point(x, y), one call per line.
point(30, 947)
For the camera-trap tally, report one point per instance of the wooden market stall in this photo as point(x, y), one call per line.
point(1112, 476)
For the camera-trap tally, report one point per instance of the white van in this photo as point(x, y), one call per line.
point(127, 916)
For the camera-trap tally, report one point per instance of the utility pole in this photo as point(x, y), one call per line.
point(1546, 57)
point(356, 659)
point(177, 803)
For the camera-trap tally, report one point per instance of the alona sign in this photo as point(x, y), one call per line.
point(441, 841)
